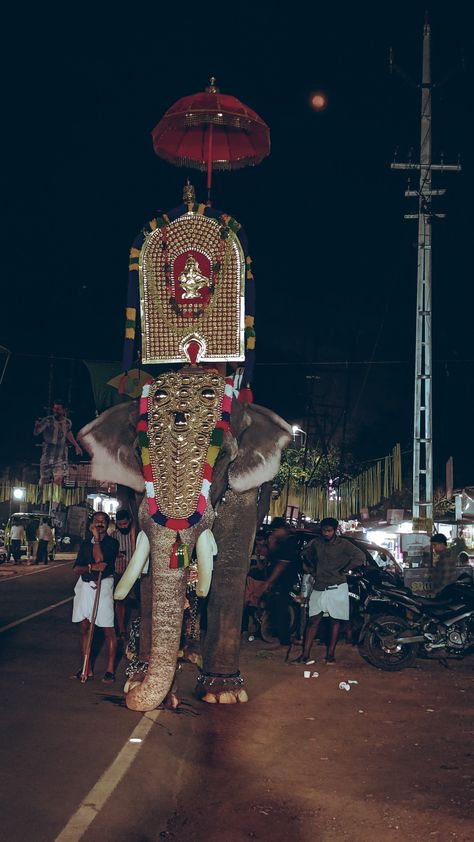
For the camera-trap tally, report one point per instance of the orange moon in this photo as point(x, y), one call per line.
point(319, 101)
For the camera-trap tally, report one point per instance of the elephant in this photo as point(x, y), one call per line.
point(237, 501)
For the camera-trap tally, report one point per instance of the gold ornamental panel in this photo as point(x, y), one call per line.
point(183, 409)
point(183, 297)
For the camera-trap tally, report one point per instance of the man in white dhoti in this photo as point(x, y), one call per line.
point(97, 554)
point(330, 557)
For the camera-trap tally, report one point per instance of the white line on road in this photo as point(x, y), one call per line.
point(36, 614)
point(94, 801)
point(16, 575)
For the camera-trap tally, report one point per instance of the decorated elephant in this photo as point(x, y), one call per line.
point(190, 439)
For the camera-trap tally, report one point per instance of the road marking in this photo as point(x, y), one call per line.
point(36, 614)
point(95, 800)
point(43, 569)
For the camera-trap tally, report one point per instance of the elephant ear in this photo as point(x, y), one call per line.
point(111, 441)
point(239, 421)
point(262, 438)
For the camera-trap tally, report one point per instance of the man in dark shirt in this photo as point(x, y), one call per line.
point(97, 554)
point(445, 570)
point(283, 565)
point(330, 557)
point(126, 537)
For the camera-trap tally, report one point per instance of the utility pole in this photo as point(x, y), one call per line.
point(423, 421)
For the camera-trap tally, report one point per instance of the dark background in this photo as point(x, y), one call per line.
point(334, 261)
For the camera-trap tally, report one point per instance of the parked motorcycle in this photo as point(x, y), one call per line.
point(396, 626)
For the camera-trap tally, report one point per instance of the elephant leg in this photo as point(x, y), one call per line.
point(234, 531)
point(263, 505)
point(140, 658)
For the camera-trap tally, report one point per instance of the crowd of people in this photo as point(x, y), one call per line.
point(277, 565)
point(37, 538)
point(318, 575)
point(314, 578)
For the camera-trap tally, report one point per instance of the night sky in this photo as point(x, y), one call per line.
point(334, 260)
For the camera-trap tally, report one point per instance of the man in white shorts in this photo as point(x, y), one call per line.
point(331, 557)
point(97, 554)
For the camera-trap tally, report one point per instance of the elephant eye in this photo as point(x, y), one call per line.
point(161, 396)
point(208, 394)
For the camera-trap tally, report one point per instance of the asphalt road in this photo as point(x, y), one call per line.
point(58, 736)
point(391, 759)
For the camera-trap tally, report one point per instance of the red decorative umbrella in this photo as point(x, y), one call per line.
point(211, 131)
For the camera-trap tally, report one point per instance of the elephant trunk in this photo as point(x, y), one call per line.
point(169, 589)
point(167, 606)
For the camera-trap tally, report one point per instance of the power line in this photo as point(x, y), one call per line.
point(308, 364)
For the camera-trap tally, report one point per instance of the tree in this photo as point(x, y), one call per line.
point(308, 466)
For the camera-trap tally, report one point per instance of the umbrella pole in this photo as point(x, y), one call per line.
point(209, 163)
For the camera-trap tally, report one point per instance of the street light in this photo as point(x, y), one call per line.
point(295, 429)
point(18, 494)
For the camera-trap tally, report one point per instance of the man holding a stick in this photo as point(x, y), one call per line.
point(93, 594)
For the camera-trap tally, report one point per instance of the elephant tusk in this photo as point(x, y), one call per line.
point(206, 549)
point(134, 568)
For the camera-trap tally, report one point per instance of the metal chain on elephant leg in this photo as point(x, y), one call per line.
point(192, 649)
point(195, 627)
point(219, 688)
point(136, 669)
point(192, 625)
point(133, 643)
point(136, 666)
point(192, 603)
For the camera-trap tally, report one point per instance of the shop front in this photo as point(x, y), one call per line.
point(413, 550)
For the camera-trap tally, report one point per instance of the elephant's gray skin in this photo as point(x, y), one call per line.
point(238, 500)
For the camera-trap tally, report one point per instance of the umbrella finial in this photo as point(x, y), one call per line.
point(189, 194)
point(211, 88)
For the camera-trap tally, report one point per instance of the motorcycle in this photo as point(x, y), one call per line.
point(396, 626)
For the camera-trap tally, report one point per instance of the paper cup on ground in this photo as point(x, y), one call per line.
point(307, 673)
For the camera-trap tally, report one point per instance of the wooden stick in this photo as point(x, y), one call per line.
point(87, 655)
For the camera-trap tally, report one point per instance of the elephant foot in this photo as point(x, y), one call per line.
point(217, 689)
